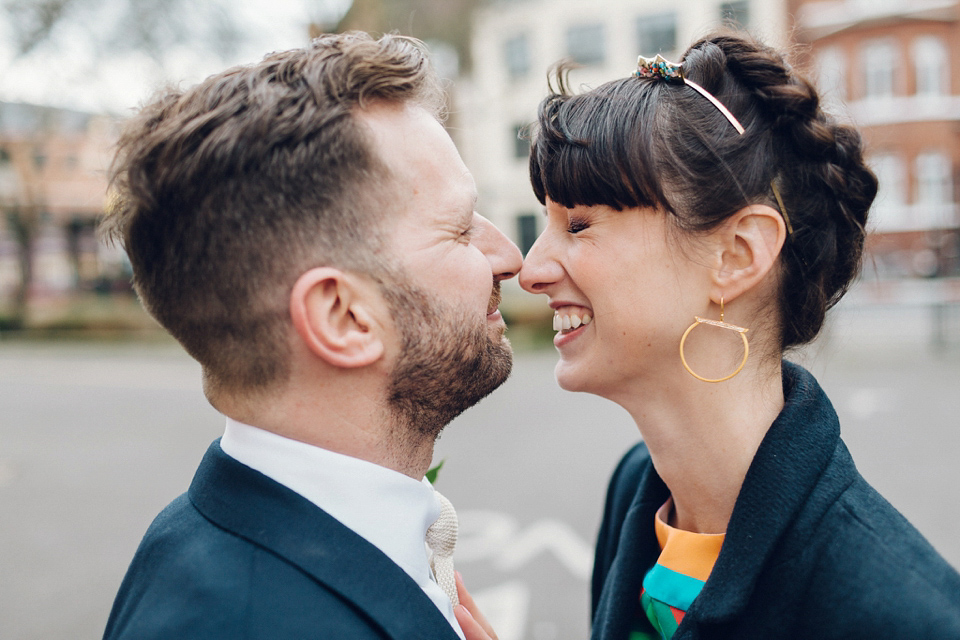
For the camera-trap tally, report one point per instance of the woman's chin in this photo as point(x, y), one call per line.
point(570, 378)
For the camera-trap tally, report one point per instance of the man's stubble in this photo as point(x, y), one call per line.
point(449, 360)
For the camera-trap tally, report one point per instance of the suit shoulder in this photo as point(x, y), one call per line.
point(191, 579)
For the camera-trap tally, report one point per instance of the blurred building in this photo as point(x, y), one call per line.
point(893, 68)
point(53, 168)
point(514, 43)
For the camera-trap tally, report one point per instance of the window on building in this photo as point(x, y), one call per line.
point(879, 59)
point(934, 188)
point(526, 231)
point(585, 44)
point(934, 178)
point(521, 141)
point(735, 13)
point(832, 75)
point(657, 33)
point(517, 53)
point(889, 209)
point(931, 65)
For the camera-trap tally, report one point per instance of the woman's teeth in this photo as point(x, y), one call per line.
point(567, 322)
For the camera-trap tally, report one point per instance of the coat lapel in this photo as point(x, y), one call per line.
point(268, 514)
point(637, 551)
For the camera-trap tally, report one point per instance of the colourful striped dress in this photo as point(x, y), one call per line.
point(670, 587)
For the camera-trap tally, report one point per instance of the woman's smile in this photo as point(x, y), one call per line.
point(569, 327)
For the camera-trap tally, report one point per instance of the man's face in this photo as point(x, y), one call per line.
point(451, 349)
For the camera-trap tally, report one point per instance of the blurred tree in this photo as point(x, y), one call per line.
point(446, 21)
point(154, 26)
point(150, 26)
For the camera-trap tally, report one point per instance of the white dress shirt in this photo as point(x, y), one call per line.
point(388, 509)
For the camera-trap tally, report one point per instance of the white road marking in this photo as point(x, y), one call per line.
point(491, 535)
point(551, 536)
point(483, 534)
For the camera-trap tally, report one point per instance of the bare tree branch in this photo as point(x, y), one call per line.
point(32, 21)
point(149, 26)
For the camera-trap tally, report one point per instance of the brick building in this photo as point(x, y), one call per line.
point(893, 68)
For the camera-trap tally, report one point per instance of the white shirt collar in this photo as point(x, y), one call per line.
point(388, 509)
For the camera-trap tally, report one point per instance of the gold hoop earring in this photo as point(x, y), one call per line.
point(723, 325)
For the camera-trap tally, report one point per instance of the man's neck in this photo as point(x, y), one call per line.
point(350, 423)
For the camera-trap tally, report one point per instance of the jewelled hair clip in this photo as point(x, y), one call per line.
point(660, 67)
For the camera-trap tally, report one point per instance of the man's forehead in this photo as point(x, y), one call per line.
point(396, 129)
point(419, 154)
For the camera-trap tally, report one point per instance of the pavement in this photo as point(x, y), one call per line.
point(96, 438)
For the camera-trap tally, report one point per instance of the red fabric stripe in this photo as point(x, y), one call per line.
point(677, 614)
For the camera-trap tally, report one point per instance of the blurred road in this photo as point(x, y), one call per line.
point(96, 438)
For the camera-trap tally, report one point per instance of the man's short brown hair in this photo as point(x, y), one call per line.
point(230, 190)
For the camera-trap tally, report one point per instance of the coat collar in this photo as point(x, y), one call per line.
point(249, 504)
point(791, 459)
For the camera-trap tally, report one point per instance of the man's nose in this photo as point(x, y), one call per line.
point(504, 256)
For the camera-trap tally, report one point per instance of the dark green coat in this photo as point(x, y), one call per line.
point(811, 552)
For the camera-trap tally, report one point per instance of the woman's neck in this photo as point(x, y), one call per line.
point(702, 438)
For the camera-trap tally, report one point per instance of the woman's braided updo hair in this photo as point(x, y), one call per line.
point(649, 143)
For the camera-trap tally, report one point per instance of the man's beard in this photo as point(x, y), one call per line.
point(448, 360)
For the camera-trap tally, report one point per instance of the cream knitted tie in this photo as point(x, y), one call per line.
point(442, 538)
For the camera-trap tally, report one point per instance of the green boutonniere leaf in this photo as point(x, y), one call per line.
point(432, 473)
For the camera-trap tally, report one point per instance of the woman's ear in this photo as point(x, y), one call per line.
point(333, 312)
point(749, 243)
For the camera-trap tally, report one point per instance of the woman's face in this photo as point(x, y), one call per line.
point(629, 274)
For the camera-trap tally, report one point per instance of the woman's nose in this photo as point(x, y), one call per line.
point(540, 268)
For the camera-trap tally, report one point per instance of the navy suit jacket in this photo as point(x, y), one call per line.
point(240, 556)
point(811, 550)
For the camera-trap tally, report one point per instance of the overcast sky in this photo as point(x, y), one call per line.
point(67, 72)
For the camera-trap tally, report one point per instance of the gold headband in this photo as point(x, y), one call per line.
point(660, 67)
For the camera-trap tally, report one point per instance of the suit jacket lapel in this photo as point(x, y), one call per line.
point(268, 514)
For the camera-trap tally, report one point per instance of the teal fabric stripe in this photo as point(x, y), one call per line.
point(670, 587)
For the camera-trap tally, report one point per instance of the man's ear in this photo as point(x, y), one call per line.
point(333, 313)
point(749, 244)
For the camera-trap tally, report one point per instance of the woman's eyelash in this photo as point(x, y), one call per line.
point(576, 225)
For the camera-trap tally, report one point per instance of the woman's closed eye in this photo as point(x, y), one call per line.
point(576, 225)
